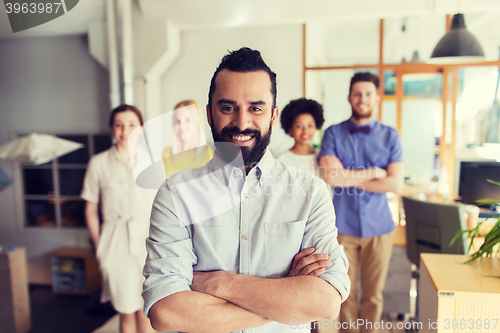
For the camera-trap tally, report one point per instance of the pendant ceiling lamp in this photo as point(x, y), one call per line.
point(457, 45)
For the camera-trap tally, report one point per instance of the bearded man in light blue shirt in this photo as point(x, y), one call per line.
point(243, 244)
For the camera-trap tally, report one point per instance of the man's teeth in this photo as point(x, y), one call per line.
point(241, 138)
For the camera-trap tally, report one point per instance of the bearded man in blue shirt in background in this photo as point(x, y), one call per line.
point(363, 160)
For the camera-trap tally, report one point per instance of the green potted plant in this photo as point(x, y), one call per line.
point(490, 248)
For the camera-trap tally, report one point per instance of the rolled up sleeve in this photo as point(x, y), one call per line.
point(170, 260)
point(321, 233)
point(396, 152)
point(328, 143)
point(91, 183)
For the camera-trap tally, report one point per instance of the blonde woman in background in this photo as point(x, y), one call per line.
point(120, 241)
point(189, 148)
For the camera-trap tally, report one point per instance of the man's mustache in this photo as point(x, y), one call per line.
point(236, 131)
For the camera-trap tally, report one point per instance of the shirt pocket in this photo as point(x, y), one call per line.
point(283, 241)
point(378, 159)
point(114, 199)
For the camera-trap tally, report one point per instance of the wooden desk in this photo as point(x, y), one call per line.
point(415, 190)
point(399, 236)
point(451, 290)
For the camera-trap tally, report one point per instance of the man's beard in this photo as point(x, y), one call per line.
point(357, 115)
point(250, 155)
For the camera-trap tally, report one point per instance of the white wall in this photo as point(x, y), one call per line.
point(47, 84)
point(150, 41)
point(202, 50)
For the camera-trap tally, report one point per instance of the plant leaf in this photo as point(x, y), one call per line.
point(493, 182)
point(491, 239)
point(488, 202)
point(458, 235)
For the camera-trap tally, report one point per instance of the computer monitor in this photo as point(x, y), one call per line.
point(473, 184)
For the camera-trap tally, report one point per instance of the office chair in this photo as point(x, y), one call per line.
point(429, 229)
point(431, 226)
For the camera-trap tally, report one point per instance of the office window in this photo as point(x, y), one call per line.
point(51, 191)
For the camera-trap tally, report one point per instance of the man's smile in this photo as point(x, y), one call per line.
point(240, 139)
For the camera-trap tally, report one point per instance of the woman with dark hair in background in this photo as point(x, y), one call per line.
point(300, 119)
point(125, 208)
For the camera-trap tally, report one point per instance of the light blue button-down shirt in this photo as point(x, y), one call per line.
point(360, 213)
point(215, 218)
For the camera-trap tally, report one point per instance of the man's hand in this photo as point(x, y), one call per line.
point(387, 181)
point(378, 173)
point(306, 264)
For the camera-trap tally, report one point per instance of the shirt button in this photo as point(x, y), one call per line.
point(245, 195)
point(244, 237)
point(237, 171)
point(261, 179)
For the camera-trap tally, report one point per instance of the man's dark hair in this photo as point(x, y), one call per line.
point(300, 106)
point(243, 60)
point(364, 77)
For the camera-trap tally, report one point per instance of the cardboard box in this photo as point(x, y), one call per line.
point(74, 271)
point(15, 312)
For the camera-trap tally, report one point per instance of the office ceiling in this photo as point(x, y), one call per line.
point(191, 14)
point(73, 22)
point(197, 14)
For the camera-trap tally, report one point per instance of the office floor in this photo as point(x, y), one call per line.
point(111, 326)
point(391, 324)
point(52, 313)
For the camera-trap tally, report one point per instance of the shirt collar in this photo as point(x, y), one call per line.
point(222, 170)
point(265, 166)
point(114, 153)
point(371, 124)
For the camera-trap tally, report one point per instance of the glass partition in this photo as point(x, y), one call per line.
point(342, 42)
point(422, 114)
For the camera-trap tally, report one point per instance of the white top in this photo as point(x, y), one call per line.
point(300, 163)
